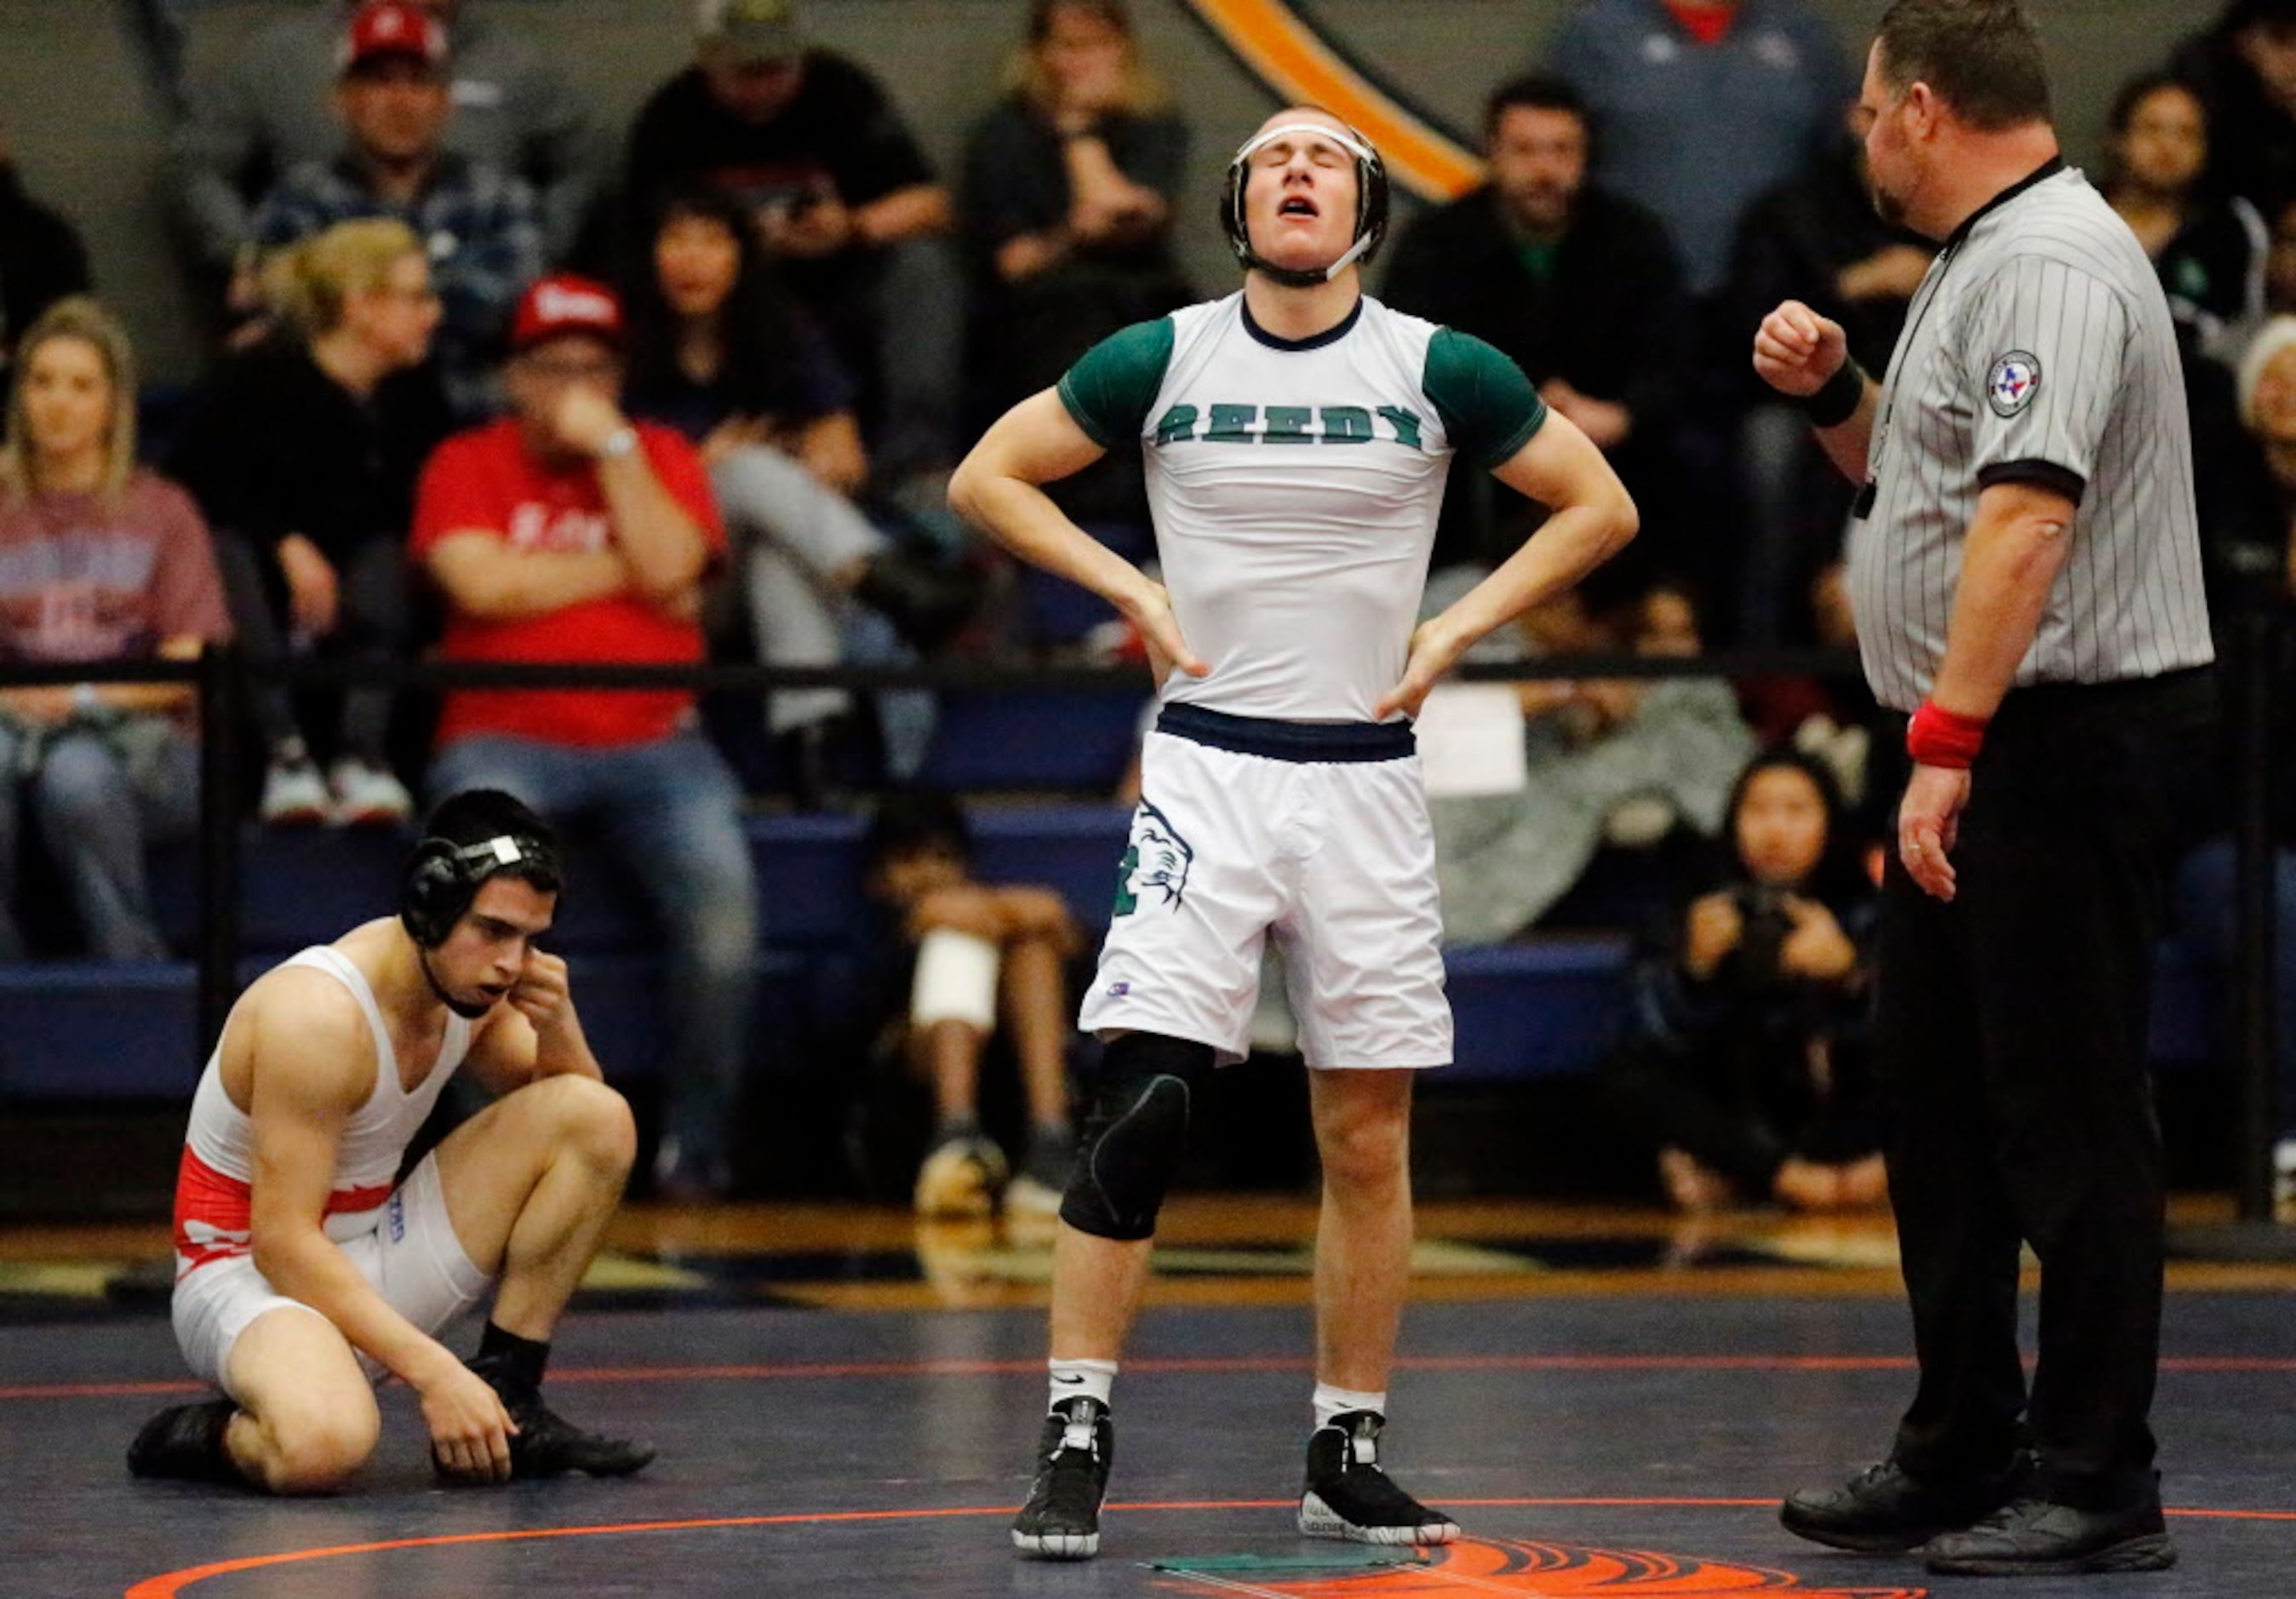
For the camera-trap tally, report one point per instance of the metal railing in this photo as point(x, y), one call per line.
point(223, 679)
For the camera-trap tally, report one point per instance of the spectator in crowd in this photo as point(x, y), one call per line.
point(2210, 252)
point(2244, 66)
point(268, 110)
point(1745, 1060)
point(565, 533)
point(1579, 285)
point(304, 452)
point(813, 147)
point(479, 222)
point(2255, 543)
point(41, 257)
point(1700, 107)
point(1628, 763)
point(1817, 238)
point(719, 352)
point(980, 954)
point(2253, 561)
point(100, 561)
point(1067, 200)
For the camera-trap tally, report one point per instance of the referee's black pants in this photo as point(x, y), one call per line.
point(2011, 1044)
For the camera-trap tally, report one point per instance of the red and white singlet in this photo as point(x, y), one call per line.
point(213, 1196)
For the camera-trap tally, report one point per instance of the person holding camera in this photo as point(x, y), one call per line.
point(1748, 1064)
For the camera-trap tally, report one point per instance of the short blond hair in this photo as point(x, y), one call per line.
point(82, 317)
point(308, 282)
point(1026, 77)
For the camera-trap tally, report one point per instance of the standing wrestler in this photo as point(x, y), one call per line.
point(1297, 436)
point(2027, 577)
point(303, 1276)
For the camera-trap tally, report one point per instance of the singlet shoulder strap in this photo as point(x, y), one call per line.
point(456, 1048)
point(323, 958)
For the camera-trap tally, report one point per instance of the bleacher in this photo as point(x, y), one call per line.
point(93, 1029)
point(80, 1029)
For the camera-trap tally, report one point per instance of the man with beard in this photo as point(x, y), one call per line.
point(2026, 572)
point(1580, 286)
point(1296, 437)
point(304, 1276)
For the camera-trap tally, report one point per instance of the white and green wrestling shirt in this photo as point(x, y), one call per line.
point(1295, 485)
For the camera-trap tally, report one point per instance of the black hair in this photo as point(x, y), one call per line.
point(763, 374)
point(2274, 16)
point(1538, 92)
point(1982, 57)
point(915, 822)
point(476, 815)
point(1838, 874)
point(2141, 88)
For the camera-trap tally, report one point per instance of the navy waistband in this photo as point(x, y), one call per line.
point(1308, 743)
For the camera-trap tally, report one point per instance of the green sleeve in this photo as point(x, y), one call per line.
point(1488, 406)
point(1110, 388)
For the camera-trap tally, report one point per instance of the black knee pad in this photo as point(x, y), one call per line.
point(1134, 1136)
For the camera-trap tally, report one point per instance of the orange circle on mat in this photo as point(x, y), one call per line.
point(1483, 1565)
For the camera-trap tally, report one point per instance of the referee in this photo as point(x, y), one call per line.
point(2025, 568)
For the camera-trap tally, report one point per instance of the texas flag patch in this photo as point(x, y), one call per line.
point(2016, 379)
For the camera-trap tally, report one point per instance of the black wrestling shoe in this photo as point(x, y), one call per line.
point(1062, 1518)
point(2033, 1537)
point(547, 1444)
point(1347, 1496)
point(1885, 1510)
point(185, 1442)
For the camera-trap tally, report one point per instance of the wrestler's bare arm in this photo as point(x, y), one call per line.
point(309, 1062)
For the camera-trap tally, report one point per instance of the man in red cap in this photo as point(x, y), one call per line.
point(480, 224)
point(564, 532)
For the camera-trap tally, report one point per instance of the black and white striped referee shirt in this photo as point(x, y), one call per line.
point(2039, 349)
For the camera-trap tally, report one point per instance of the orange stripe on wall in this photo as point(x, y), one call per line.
point(1287, 55)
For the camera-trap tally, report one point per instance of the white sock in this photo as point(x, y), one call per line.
point(1093, 1379)
point(1332, 1401)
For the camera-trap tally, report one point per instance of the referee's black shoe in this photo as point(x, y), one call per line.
point(2037, 1538)
point(1347, 1495)
point(1885, 1510)
point(1062, 1518)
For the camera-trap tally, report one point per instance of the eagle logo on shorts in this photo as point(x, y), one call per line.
point(2016, 379)
point(1156, 861)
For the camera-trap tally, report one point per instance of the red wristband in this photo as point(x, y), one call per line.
point(1938, 737)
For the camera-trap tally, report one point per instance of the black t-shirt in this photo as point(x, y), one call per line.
point(273, 446)
point(840, 131)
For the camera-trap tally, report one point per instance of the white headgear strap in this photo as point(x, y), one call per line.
point(1364, 156)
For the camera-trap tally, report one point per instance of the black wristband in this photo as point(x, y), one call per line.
point(1838, 401)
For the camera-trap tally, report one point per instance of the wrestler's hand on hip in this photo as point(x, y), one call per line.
point(1435, 650)
point(1150, 610)
point(469, 1430)
point(1929, 824)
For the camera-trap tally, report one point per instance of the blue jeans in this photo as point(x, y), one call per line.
point(97, 794)
point(672, 812)
point(2207, 895)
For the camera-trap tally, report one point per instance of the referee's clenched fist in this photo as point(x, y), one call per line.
point(1796, 350)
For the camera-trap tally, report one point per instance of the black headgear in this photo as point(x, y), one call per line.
point(443, 877)
point(1371, 204)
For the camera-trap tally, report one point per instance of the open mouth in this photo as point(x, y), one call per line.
point(1299, 206)
point(494, 991)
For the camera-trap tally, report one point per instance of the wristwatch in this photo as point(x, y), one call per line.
point(619, 443)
